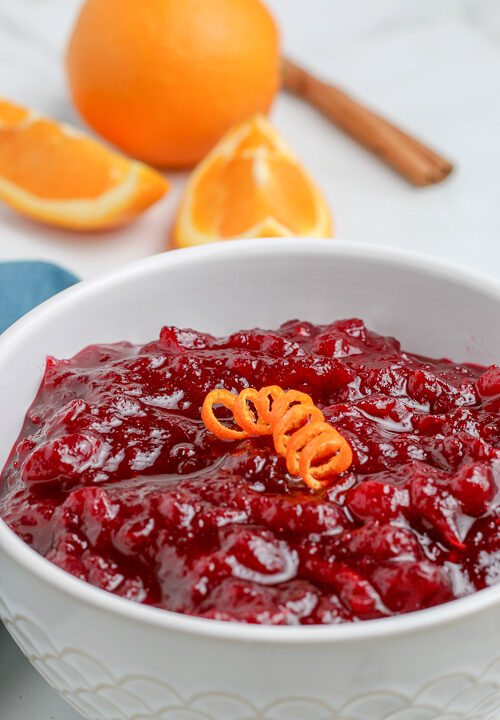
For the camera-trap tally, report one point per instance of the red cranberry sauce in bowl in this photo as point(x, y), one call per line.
point(115, 478)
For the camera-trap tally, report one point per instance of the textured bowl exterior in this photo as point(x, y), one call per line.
point(111, 658)
point(109, 666)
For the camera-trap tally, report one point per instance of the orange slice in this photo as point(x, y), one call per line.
point(56, 174)
point(250, 185)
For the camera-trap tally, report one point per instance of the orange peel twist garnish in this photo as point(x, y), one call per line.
point(294, 419)
point(312, 448)
point(252, 423)
point(285, 401)
point(266, 399)
point(300, 439)
point(227, 399)
point(334, 453)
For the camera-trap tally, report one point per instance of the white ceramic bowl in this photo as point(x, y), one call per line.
point(111, 658)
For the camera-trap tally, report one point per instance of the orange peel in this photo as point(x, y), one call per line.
point(284, 402)
point(227, 399)
point(294, 419)
point(313, 448)
point(301, 438)
point(332, 446)
point(266, 398)
point(252, 423)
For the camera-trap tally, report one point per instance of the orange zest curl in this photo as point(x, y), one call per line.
point(300, 439)
point(266, 398)
point(227, 399)
point(312, 448)
point(334, 455)
point(293, 420)
point(285, 401)
point(245, 417)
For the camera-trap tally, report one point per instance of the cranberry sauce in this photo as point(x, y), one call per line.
point(116, 480)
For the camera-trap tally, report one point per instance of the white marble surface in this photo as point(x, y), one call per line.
point(434, 67)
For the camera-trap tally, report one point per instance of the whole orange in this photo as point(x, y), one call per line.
point(165, 79)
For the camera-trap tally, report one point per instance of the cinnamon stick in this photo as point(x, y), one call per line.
point(409, 157)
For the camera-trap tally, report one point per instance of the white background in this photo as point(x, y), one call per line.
point(431, 65)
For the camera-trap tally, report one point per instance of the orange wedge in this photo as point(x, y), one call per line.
point(56, 174)
point(250, 185)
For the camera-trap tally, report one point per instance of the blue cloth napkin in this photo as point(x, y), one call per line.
point(25, 284)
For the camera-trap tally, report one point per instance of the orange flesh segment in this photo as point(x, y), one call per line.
point(255, 138)
point(250, 185)
point(11, 114)
point(57, 175)
point(85, 169)
point(268, 186)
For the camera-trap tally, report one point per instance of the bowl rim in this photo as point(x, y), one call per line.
point(77, 589)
